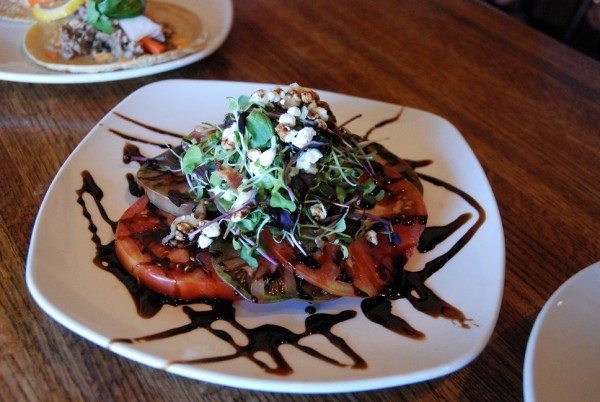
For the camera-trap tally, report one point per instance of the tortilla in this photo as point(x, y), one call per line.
point(188, 34)
point(15, 10)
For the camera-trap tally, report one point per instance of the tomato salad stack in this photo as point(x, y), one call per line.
point(277, 202)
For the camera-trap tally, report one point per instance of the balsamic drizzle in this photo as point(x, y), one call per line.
point(133, 138)
point(132, 153)
point(134, 188)
point(151, 128)
point(147, 302)
point(267, 338)
point(434, 235)
point(417, 164)
point(436, 264)
point(412, 286)
point(383, 123)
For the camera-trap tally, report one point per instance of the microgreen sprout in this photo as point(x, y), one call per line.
point(257, 181)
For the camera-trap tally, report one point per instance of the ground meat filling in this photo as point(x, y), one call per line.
point(80, 38)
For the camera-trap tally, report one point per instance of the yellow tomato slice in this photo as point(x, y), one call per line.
point(55, 10)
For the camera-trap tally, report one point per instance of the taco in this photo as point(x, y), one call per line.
point(100, 39)
point(15, 10)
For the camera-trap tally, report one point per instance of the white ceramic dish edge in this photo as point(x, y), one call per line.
point(214, 43)
point(253, 383)
point(529, 391)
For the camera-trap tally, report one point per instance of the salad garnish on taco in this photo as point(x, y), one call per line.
point(106, 35)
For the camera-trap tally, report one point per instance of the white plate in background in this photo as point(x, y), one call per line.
point(92, 303)
point(217, 15)
point(562, 361)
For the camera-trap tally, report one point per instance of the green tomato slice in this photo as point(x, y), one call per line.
point(264, 284)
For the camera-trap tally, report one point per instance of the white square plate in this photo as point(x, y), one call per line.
point(91, 302)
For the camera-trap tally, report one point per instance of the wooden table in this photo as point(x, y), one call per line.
point(527, 105)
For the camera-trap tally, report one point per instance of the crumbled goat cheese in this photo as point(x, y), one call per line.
point(204, 241)
point(294, 111)
point(307, 160)
point(241, 199)
point(259, 96)
point(264, 158)
point(209, 232)
point(371, 236)
point(283, 131)
point(228, 138)
point(274, 95)
point(300, 138)
point(253, 154)
point(267, 157)
point(318, 211)
point(212, 230)
point(287, 120)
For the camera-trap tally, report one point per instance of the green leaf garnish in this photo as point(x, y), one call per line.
point(259, 127)
point(368, 186)
point(282, 193)
point(191, 159)
point(101, 12)
point(120, 8)
point(279, 201)
point(340, 193)
point(246, 255)
point(340, 226)
point(243, 102)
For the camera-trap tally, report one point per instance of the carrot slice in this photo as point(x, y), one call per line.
point(152, 46)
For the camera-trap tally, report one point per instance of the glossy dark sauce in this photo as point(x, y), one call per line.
point(129, 137)
point(434, 235)
point(435, 265)
point(383, 123)
point(148, 127)
point(267, 338)
point(134, 187)
point(147, 302)
point(411, 285)
point(131, 153)
point(415, 164)
point(379, 310)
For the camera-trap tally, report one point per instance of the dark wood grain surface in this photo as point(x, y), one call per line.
point(527, 105)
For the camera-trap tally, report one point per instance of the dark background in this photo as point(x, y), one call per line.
point(573, 22)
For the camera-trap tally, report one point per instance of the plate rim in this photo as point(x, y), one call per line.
point(56, 77)
point(529, 389)
point(265, 384)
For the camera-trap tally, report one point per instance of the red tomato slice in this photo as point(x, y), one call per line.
point(166, 270)
point(325, 276)
point(369, 269)
point(373, 268)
